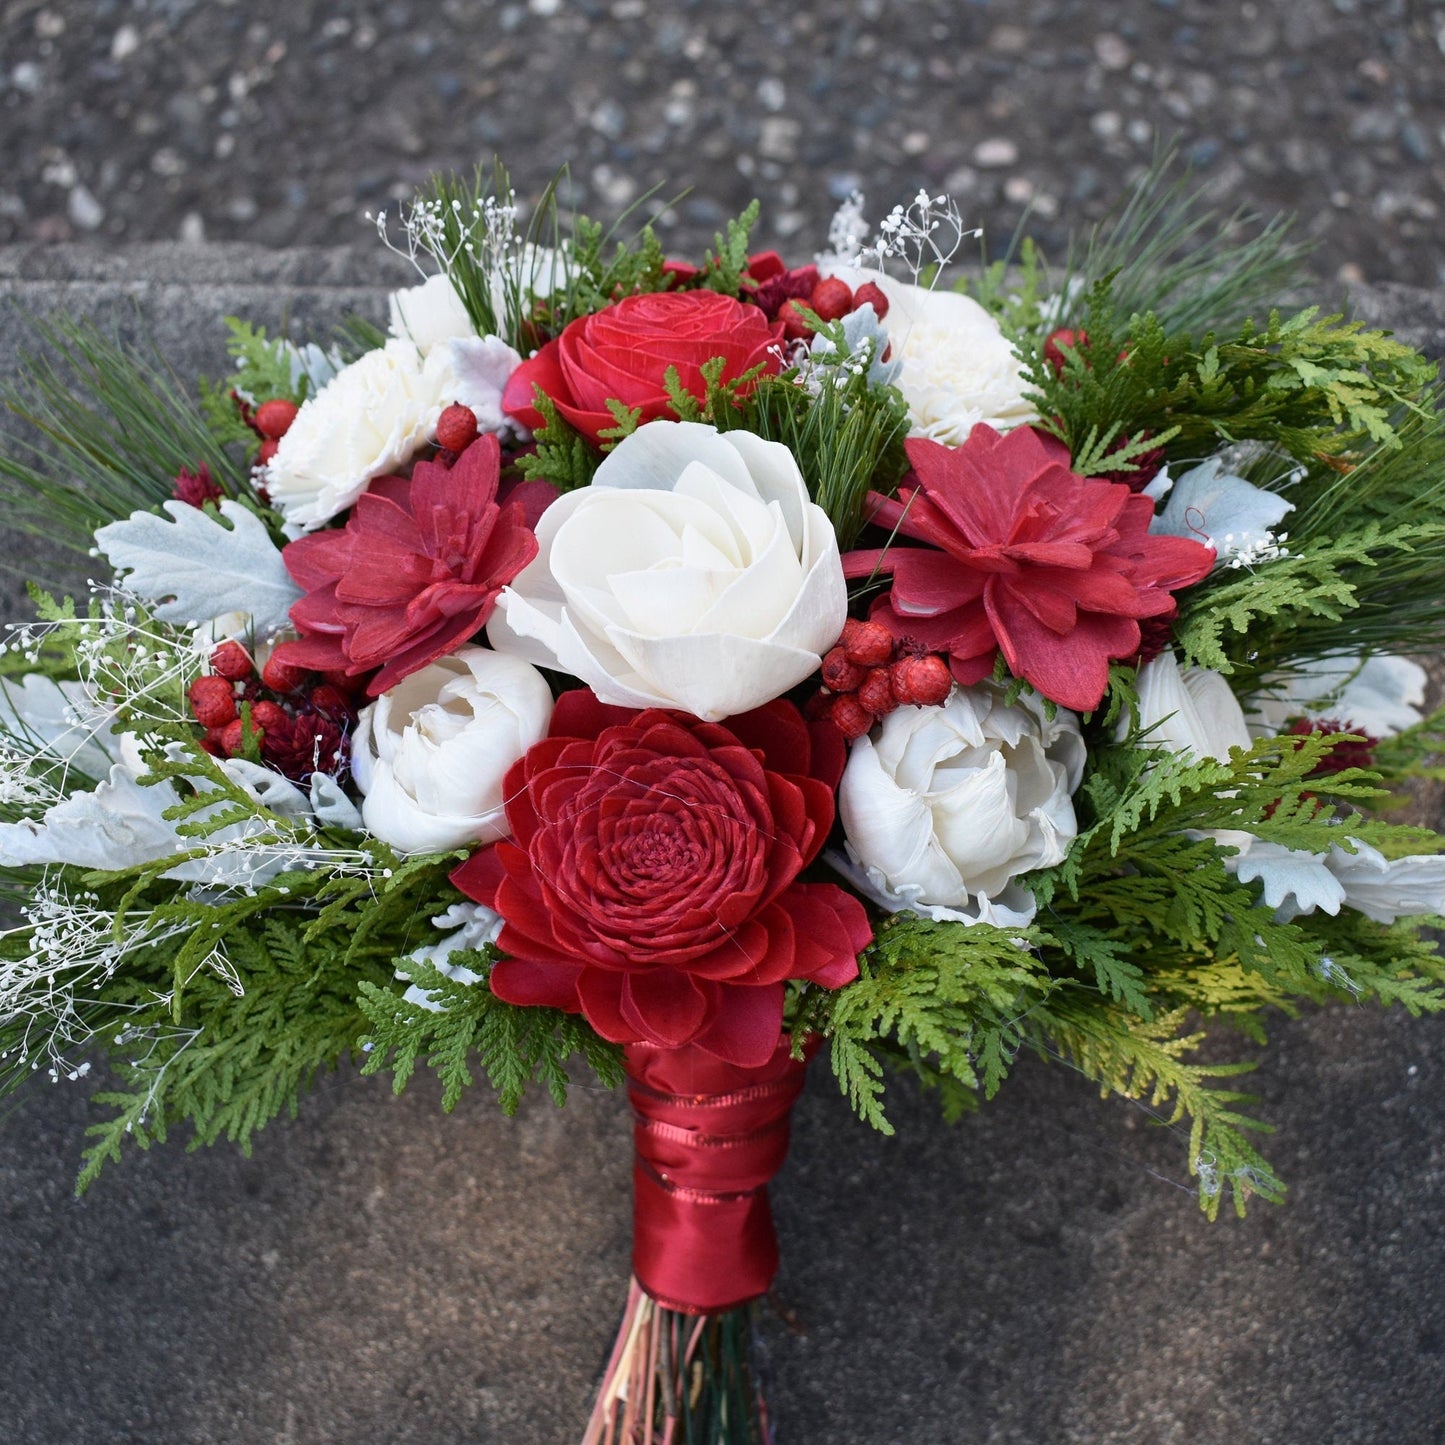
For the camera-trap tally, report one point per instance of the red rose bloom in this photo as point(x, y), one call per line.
point(649, 882)
point(1053, 568)
point(413, 574)
point(623, 353)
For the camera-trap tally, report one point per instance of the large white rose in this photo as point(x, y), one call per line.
point(958, 367)
point(944, 807)
point(372, 417)
point(430, 755)
point(692, 573)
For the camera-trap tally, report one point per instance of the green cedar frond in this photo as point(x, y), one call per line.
point(946, 998)
point(517, 1046)
point(1147, 1061)
point(563, 456)
point(232, 1060)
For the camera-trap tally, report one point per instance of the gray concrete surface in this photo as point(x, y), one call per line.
point(1038, 1274)
point(283, 121)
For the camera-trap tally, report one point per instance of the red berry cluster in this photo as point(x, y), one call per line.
point(870, 673)
point(830, 298)
point(299, 721)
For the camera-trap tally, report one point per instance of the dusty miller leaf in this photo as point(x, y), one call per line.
point(202, 566)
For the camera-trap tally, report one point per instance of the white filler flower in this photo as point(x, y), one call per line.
point(958, 367)
point(944, 807)
point(692, 573)
point(430, 755)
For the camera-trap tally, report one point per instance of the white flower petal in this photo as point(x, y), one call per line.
point(692, 573)
point(431, 755)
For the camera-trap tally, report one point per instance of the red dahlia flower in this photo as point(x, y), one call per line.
point(1054, 569)
point(650, 880)
point(413, 574)
point(623, 353)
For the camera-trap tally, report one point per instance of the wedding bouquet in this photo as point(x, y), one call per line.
point(681, 670)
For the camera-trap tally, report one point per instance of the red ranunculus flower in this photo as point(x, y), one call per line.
point(412, 575)
point(622, 354)
point(650, 879)
point(1053, 568)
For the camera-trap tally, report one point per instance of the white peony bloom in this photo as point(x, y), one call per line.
point(693, 572)
point(1189, 710)
point(430, 755)
point(1381, 695)
point(958, 367)
point(1225, 512)
point(429, 314)
point(373, 417)
point(944, 807)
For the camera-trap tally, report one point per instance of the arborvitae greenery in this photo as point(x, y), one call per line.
point(516, 1046)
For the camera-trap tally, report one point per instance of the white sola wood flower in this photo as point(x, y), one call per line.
point(944, 807)
point(694, 572)
point(431, 754)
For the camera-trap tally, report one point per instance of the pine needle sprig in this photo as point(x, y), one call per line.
point(120, 420)
point(1172, 253)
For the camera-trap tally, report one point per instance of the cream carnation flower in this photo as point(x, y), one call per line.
point(958, 367)
point(374, 415)
point(429, 314)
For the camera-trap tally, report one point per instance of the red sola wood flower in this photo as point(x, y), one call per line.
point(650, 880)
point(1053, 569)
point(413, 574)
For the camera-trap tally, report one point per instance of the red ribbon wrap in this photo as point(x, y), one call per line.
point(708, 1136)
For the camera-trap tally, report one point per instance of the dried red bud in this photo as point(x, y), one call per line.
point(282, 676)
point(831, 298)
point(871, 294)
point(330, 701)
point(196, 488)
point(212, 701)
point(875, 692)
point(923, 681)
point(231, 660)
point(1056, 341)
point(213, 742)
point(456, 427)
point(850, 717)
point(794, 327)
point(273, 418)
point(869, 644)
point(838, 673)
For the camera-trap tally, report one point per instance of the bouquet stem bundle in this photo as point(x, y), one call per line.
point(680, 1379)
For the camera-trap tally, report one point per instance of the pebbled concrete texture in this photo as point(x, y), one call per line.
point(1040, 1273)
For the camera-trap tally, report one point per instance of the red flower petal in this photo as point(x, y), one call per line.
point(1053, 568)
